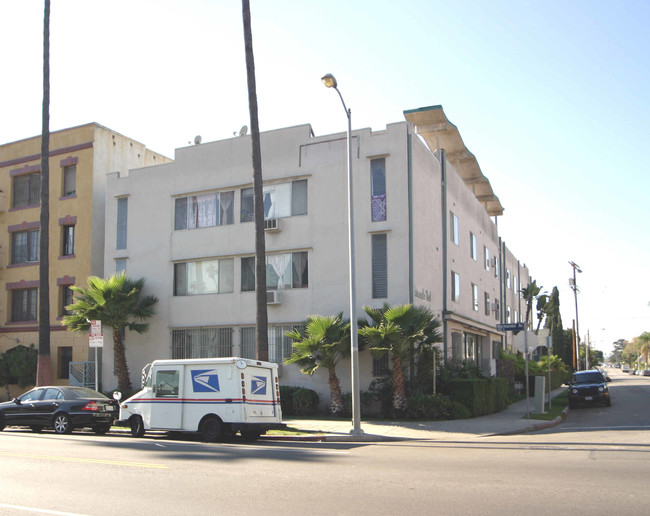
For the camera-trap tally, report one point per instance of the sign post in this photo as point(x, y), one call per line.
point(96, 340)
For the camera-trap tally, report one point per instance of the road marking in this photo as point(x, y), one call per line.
point(88, 461)
point(40, 511)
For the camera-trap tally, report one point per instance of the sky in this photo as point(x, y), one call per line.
point(552, 97)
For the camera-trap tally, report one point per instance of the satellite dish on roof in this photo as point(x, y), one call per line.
point(243, 131)
point(197, 139)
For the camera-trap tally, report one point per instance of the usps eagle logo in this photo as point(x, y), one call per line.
point(258, 385)
point(206, 380)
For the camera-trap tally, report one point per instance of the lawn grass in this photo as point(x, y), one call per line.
point(558, 404)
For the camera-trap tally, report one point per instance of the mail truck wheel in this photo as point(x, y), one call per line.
point(137, 426)
point(211, 429)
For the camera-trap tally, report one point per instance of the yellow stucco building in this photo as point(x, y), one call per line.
point(79, 159)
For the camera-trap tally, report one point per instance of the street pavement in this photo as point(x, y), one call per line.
point(512, 420)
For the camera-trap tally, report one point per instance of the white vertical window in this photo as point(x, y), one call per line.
point(453, 220)
point(487, 303)
point(122, 217)
point(455, 286)
point(486, 256)
point(508, 284)
point(473, 246)
point(378, 189)
point(70, 180)
point(475, 297)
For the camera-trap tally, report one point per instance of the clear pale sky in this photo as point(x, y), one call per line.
point(552, 97)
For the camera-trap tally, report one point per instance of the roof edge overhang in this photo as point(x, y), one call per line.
point(440, 133)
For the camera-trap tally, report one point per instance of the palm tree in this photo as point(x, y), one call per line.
point(322, 342)
point(117, 302)
point(530, 294)
point(44, 372)
point(644, 348)
point(396, 330)
point(262, 320)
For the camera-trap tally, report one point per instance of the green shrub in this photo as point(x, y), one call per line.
point(481, 396)
point(458, 411)
point(298, 401)
point(366, 398)
point(427, 406)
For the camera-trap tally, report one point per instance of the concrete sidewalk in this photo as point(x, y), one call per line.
point(509, 421)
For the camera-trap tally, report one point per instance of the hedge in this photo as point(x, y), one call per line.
point(481, 396)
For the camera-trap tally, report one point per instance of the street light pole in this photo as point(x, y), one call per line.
point(574, 287)
point(330, 82)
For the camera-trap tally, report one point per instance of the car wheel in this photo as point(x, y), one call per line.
point(137, 426)
point(62, 424)
point(211, 429)
point(36, 429)
point(101, 429)
point(250, 435)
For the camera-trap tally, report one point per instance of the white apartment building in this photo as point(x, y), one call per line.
point(423, 235)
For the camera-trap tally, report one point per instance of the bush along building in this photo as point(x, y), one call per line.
point(424, 234)
point(79, 159)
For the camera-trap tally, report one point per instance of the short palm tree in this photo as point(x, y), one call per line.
point(322, 342)
point(396, 330)
point(119, 304)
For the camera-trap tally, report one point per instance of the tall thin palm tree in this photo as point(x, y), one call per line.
point(118, 303)
point(43, 368)
point(258, 194)
point(322, 342)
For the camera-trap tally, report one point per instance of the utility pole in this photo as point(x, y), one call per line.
point(574, 286)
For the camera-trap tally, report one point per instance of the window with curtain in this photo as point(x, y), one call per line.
point(280, 200)
point(69, 180)
point(24, 246)
point(205, 210)
point(203, 277)
point(283, 271)
point(24, 302)
point(68, 240)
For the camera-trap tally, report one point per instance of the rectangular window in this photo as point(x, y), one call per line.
point(63, 359)
point(378, 189)
point(201, 343)
point(120, 265)
point(473, 251)
point(486, 256)
point(70, 180)
point(455, 286)
point(487, 303)
point(67, 298)
point(280, 346)
point(203, 277)
point(122, 218)
point(379, 247)
point(280, 200)
point(516, 316)
point(380, 366)
point(25, 246)
point(508, 315)
point(283, 271)
point(201, 211)
point(26, 190)
point(457, 346)
point(68, 241)
point(248, 274)
point(247, 342)
point(24, 302)
point(508, 278)
point(455, 238)
point(475, 297)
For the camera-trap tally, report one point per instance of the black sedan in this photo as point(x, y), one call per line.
point(588, 387)
point(61, 408)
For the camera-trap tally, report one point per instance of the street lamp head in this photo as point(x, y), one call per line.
point(329, 80)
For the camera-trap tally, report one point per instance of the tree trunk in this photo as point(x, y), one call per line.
point(399, 394)
point(123, 380)
point(258, 195)
point(43, 368)
point(337, 406)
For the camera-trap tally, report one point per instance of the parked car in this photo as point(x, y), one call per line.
point(61, 408)
point(645, 372)
point(625, 368)
point(588, 387)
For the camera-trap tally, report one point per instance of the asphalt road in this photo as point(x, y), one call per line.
point(597, 462)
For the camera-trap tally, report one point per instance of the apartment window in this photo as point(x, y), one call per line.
point(67, 298)
point(516, 316)
point(487, 303)
point(283, 271)
point(455, 286)
point(120, 265)
point(496, 309)
point(122, 218)
point(69, 180)
point(473, 246)
point(201, 343)
point(379, 266)
point(486, 257)
point(378, 189)
point(508, 315)
point(203, 277)
point(24, 302)
point(68, 241)
point(497, 265)
point(280, 346)
point(508, 278)
point(475, 297)
point(454, 228)
point(247, 342)
point(63, 359)
point(24, 246)
point(457, 346)
point(380, 366)
point(280, 200)
point(201, 211)
point(26, 190)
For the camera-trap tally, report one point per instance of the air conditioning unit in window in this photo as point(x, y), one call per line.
point(495, 306)
point(273, 297)
point(272, 225)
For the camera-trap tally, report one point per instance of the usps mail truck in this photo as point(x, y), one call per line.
point(217, 397)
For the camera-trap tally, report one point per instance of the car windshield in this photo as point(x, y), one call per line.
point(588, 378)
point(82, 392)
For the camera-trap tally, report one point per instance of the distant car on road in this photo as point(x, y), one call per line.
point(645, 372)
point(625, 368)
point(61, 408)
point(587, 387)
